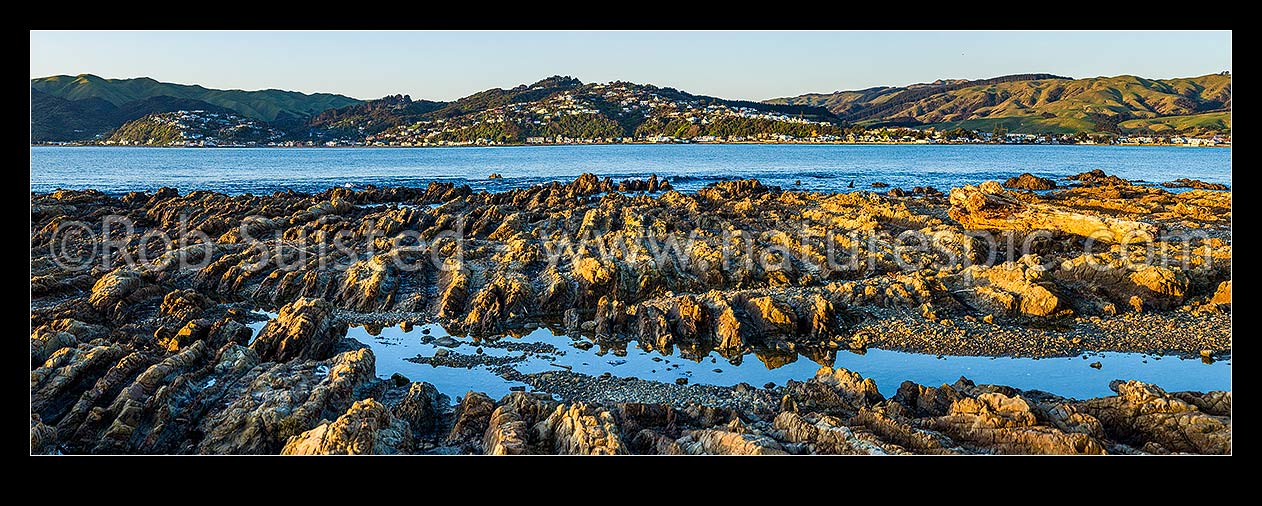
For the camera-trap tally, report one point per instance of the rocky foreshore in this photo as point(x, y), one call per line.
point(140, 306)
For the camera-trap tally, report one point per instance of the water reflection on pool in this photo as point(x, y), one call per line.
point(1070, 377)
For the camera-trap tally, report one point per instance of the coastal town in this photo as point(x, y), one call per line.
point(562, 110)
point(200, 128)
point(194, 129)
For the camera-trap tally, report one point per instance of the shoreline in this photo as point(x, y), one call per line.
point(648, 144)
point(749, 278)
point(904, 331)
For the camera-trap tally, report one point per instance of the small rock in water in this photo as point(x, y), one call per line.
point(770, 385)
point(495, 175)
point(1029, 181)
point(616, 363)
point(570, 319)
point(879, 184)
point(681, 381)
point(441, 352)
point(718, 370)
point(606, 375)
point(657, 359)
point(479, 350)
point(583, 345)
point(447, 342)
point(399, 379)
point(1096, 365)
point(517, 388)
point(405, 326)
point(425, 331)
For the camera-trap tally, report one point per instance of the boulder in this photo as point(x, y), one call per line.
point(367, 428)
point(989, 207)
point(1029, 181)
point(305, 330)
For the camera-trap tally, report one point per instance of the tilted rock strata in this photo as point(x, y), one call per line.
point(91, 399)
point(156, 357)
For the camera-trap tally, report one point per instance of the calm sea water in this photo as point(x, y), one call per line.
point(689, 167)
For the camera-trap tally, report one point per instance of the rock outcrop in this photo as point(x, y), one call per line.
point(367, 428)
point(1024, 287)
point(1194, 183)
point(1222, 295)
point(989, 207)
point(1029, 181)
point(1146, 417)
point(156, 357)
point(304, 330)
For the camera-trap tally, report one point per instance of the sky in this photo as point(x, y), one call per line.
point(445, 65)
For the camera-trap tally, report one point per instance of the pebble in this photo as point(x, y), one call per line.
point(572, 386)
point(681, 381)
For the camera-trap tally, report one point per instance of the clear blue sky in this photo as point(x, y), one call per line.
point(740, 65)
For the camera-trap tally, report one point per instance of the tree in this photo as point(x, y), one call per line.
point(999, 133)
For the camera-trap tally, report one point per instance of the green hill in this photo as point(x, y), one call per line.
point(266, 105)
point(1196, 124)
point(58, 119)
point(564, 109)
point(1039, 103)
point(562, 106)
point(196, 127)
